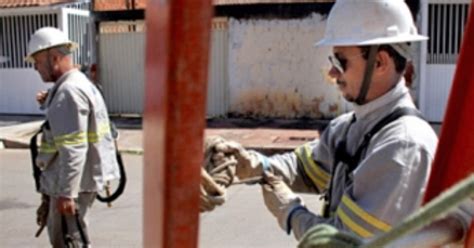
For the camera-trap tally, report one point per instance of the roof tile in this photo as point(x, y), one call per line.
point(105, 5)
point(30, 3)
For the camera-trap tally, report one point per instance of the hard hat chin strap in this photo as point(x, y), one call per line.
point(369, 68)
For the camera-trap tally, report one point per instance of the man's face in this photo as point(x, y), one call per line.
point(348, 70)
point(44, 66)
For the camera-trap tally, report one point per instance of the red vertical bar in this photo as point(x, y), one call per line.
point(454, 158)
point(470, 236)
point(177, 47)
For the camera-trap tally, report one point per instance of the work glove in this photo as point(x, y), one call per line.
point(42, 214)
point(219, 166)
point(327, 236)
point(212, 194)
point(249, 163)
point(209, 202)
point(280, 200)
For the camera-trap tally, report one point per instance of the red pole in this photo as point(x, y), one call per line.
point(454, 158)
point(177, 47)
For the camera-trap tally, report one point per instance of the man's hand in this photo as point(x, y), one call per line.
point(280, 200)
point(209, 202)
point(66, 206)
point(249, 163)
point(42, 214)
point(212, 194)
point(42, 211)
point(41, 97)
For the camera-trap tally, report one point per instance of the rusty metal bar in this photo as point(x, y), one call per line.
point(454, 160)
point(177, 44)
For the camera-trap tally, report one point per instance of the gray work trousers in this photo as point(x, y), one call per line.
point(55, 227)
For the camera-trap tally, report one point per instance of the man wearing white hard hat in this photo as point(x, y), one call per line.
point(371, 164)
point(77, 153)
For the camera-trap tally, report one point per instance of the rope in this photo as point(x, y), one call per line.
point(217, 174)
point(444, 202)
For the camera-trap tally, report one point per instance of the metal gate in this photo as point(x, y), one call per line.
point(443, 21)
point(19, 82)
point(121, 67)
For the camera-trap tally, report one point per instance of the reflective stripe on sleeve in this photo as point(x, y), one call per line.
point(81, 138)
point(71, 139)
point(358, 220)
point(47, 148)
point(102, 130)
point(318, 176)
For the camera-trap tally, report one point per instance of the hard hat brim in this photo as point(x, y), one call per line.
point(368, 42)
point(72, 47)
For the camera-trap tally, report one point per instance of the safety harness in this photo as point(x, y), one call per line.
point(352, 161)
point(37, 171)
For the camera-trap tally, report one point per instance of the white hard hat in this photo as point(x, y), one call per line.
point(369, 22)
point(45, 38)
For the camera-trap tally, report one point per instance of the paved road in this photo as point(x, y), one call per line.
point(242, 222)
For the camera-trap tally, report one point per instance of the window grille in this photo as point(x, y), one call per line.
point(79, 32)
point(446, 24)
point(15, 32)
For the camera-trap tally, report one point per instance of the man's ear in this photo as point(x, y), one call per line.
point(382, 61)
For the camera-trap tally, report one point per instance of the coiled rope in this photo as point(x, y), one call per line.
point(217, 174)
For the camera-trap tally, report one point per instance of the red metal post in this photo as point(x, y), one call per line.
point(177, 47)
point(454, 158)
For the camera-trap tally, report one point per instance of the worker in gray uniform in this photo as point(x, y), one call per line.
point(371, 164)
point(77, 153)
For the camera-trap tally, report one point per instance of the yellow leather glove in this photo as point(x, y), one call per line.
point(280, 200)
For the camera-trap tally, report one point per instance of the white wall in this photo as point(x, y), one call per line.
point(439, 77)
point(275, 71)
point(18, 88)
point(122, 71)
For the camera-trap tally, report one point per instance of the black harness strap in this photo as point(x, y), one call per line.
point(352, 161)
point(34, 155)
point(122, 181)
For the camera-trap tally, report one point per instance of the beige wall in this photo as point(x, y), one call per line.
point(275, 71)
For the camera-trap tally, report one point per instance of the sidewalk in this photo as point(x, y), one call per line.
point(266, 136)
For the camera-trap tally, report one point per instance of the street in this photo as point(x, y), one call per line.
point(243, 221)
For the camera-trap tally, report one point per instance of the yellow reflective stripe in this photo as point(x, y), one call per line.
point(318, 182)
point(102, 130)
point(364, 215)
point(71, 139)
point(47, 148)
point(80, 137)
point(319, 177)
point(325, 176)
point(352, 225)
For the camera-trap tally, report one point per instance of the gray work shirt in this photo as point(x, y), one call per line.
point(389, 181)
point(77, 152)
